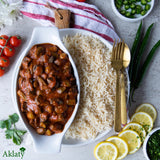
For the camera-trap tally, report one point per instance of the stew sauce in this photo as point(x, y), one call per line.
point(47, 88)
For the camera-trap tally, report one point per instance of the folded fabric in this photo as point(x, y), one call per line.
point(86, 16)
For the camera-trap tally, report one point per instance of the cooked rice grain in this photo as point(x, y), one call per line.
point(97, 79)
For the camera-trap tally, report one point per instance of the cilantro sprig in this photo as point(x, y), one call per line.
point(11, 132)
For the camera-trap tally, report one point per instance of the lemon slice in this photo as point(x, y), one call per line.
point(144, 119)
point(132, 138)
point(148, 108)
point(121, 145)
point(106, 151)
point(138, 128)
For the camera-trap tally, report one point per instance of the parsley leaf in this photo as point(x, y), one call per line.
point(6, 124)
point(14, 133)
point(2, 124)
point(16, 138)
point(9, 133)
point(20, 132)
point(14, 118)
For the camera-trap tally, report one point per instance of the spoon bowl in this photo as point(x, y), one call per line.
point(126, 56)
point(42, 143)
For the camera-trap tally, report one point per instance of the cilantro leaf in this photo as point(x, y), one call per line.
point(9, 133)
point(14, 118)
point(13, 133)
point(20, 132)
point(2, 124)
point(8, 123)
point(16, 138)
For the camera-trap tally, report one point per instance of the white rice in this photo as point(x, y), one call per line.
point(98, 80)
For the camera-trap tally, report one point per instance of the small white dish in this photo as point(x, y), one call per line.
point(42, 143)
point(146, 141)
point(140, 17)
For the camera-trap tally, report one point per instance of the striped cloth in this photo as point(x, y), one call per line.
point(86, 16)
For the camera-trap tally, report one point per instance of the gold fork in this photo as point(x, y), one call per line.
point(117, 64)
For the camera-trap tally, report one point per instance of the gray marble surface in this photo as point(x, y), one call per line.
point(149, 91)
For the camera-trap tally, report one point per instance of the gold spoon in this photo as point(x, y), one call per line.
point(126, 60)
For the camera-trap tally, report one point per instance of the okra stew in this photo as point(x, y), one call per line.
point(47, 89)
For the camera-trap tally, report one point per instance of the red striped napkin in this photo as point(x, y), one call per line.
point(86, 16)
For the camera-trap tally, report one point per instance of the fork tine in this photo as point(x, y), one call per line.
point(113, 50)
point(116, 50)
point(122, 49)
point(119, 50)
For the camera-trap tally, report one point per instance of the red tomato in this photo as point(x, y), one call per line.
point(3, 40)
point(9, 51)
point(81, 0)
point(4, 61)
point(1, 71)
point(15, 41)
point(1, 53)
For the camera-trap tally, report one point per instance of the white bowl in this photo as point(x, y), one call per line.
point(146, 141)
point(131, 19)
point(42, 143)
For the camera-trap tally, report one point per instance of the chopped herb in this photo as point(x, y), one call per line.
point(14, 133)
point(153, 146)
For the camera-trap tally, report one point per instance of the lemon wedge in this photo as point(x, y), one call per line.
point(121, 145)
point(132, 138)
point(138, 128)
point(148, 108)
point(105, 151)
point(144, 119)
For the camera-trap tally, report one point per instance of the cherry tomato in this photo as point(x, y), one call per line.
point(9, 51)
point(1, 71)
point(3, 40)
point(81, 0)
point(15, 41)
point(1, 53)
point(4, 61)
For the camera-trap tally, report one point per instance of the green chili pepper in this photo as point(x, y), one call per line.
point(123, 12)
point(133, 11)
point(127, 14)
point(147, 7)
point(138, 9)
point(118, 6)
point(126, 7)
point(132, 5)
point(143, 2)
point(134, 49)
point(119, 2)
point(143, 12)
point(139, 55)
point(125, 2)
point(146, 64)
